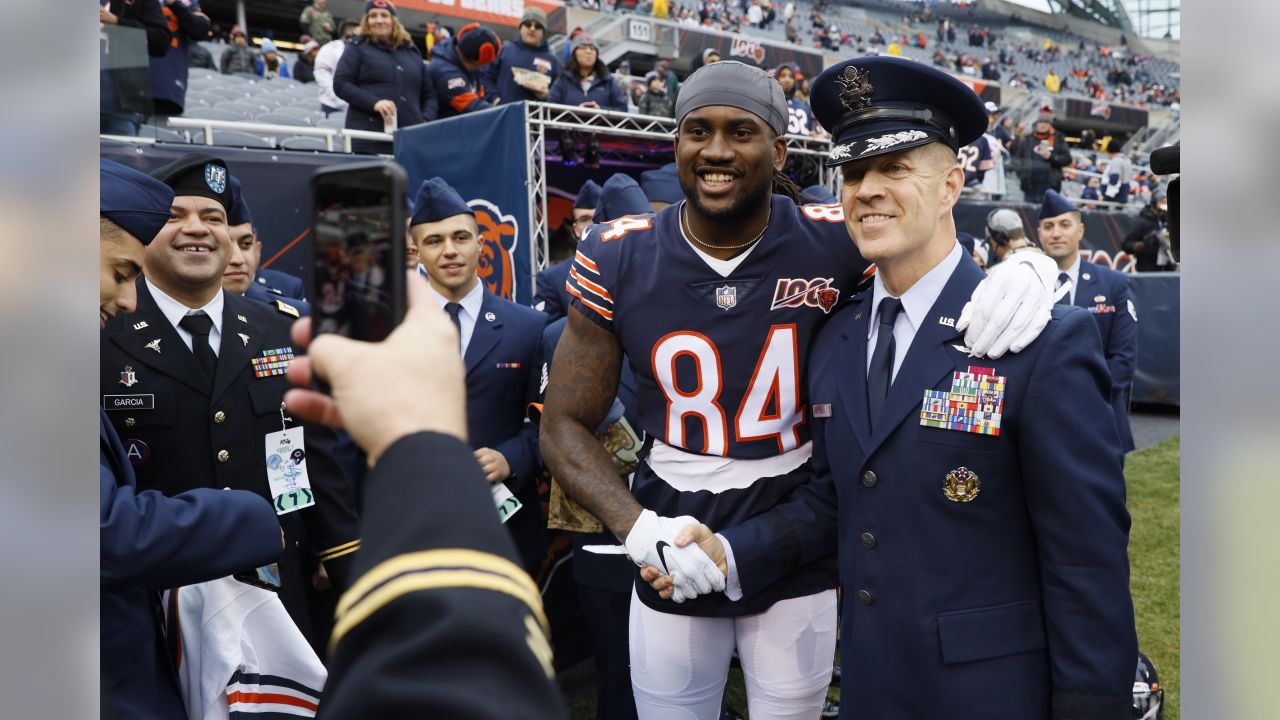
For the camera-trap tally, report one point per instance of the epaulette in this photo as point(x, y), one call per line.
point(286, 308)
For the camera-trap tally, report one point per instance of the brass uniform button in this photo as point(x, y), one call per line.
point(282, 405)
point(223, 456)
point(219, 417)
point(865, 597)
point(130, 422)
point(868, 540)
point(869, 479)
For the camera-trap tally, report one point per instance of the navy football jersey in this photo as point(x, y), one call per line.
point(975, 160)
point(718, 359)
point(799, 117)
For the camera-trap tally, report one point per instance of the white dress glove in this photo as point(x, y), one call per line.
point(1011, 306)
point(652, 542)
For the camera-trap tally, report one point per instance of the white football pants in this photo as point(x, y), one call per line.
point(679, 663)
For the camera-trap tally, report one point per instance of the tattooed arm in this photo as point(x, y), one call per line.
point(584, 381)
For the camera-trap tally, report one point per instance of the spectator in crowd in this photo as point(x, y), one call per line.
point(1040, 157)
point(755, 15)
point(1100, 290)
point(792, 32)
point(1052, 82)
point(455, 67)
point(114, 118)
point(1006, 235)
point(1148, 240)
point(382, 76)
point(708, 56)
point(654, 101)
point(326, 64)
point(317, 21)
point(304, 68)
point(239, 58)
point(271, 63)
point(529, 52)
point(993, 180)
point(501, 349)
point(800, 116)
point(1118, 175)
point(200, 57)
point(586, 80)
point(148, 541)
point(1003, 131)
point(661, 9)
point(1091, 191)
point(169, 73)
point(894, 49)
point(669, 77)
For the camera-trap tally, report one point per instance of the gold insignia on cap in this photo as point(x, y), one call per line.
point(855, 88)
point(962, 485)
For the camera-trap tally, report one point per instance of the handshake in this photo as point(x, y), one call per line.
point(679, 557)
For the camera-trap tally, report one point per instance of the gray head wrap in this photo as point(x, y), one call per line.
point(737, 85)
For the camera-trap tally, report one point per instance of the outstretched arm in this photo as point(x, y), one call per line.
point(584, 381)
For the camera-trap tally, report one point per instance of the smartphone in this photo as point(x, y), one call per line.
point(357, 261)
point(266, 577)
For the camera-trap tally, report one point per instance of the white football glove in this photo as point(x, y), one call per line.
point(1011, 306)
point(652, 542)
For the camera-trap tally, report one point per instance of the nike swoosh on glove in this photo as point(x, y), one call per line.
point(1011, 307)
point(652, 542)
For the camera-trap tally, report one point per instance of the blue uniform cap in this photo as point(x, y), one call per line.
point(879, 105)
point(239, 213)
point(200, 175)
point(662, 185)
point(620, 196)
point(1055, 205)
point(436, 201)
point(588, 196)
point(966, 241)
point(135, 201)
point(819, 195)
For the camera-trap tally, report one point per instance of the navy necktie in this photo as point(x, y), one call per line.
point(1064, 279)
point(453, 309)
point(880, 372)
point(199, 324)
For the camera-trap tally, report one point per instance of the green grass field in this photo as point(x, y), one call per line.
point(1152, 476)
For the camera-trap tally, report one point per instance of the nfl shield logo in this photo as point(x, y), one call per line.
point(127, 377)
point(726, 297)
point(215, 176)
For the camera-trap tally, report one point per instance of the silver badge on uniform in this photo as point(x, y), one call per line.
point(140, 325)
point(490, 316)
point(127, 377)
point(154, 345)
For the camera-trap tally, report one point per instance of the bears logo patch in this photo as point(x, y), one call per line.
point(813, 292)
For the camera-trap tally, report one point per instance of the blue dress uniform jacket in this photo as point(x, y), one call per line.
point(150, 542)
point(504, 367)
point(1105, 293)
point(442, 622)
point(180, 436)
point(1012, 605)
point(281, 283)
point(550, 295)
point(261, 294)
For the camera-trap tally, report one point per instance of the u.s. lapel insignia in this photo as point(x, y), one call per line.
point(242, 318)
point(947, 322)
point(127, 377)
point(974, 404)
point(154, 345)
point(490, 316)
point(141, 325)
point(244, 339)
point(962, 485)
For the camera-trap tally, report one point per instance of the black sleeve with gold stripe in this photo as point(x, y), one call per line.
point(441, 621)
point(332, 524)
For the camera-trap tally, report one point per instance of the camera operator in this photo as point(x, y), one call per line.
point(1148, 241)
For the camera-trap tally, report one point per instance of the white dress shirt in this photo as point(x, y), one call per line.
point(1073, 272)
point(470, 311)
point(174, 310)
point(916, 303)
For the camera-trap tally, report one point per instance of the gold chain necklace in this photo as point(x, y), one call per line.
point(684, 216)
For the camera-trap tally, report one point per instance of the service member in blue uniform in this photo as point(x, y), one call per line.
point(1103, 292)
point(661, 186)
point(243, 275)
point(501, 348)
point(982, 528)
point(150, 542)
point(193, 381)
point(442, 622)
point(549, 293)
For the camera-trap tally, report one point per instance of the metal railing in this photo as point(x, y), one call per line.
point(342, 136)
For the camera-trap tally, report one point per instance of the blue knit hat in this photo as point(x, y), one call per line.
point(381, 4)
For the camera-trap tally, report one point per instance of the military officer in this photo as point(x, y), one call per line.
point(1103, 292)
point(982, 527)
point(242, 274)
point(149, 541)
point(550, 295)
point(193, 382)
point(500, 343)
point(661, 186)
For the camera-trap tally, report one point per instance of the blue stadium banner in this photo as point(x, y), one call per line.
point(484, 156)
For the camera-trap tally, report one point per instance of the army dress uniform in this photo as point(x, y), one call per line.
point(180, 434)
